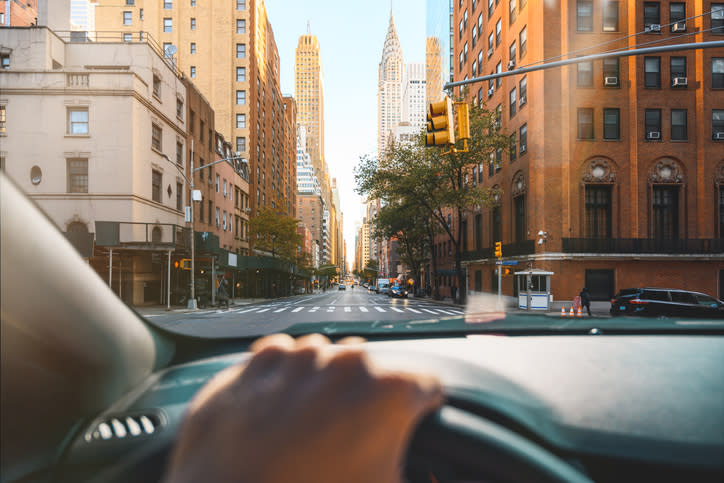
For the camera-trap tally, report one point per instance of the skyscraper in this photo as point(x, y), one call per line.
point(309, 92)
point(389, 87)
point(433, 69)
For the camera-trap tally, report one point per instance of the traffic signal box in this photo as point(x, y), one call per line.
point(440, 124)
point(498, 250)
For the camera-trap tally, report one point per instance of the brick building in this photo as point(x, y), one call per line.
point(18, 14)
point(615, 177)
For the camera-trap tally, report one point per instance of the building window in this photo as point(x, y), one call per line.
point(156, 137)
point(5, 61)
point(677, 16)
point(721, 211)
point(652, 127)
point(652, 16)
point(584, 15)
point(465, 52)
point(218, 183)
point(497, 221)
point(611, 75)
point(156, 86)
point(167, 25)
point(652, 72)
point(218, 217)
point(523, 138)
point(140, 15)
point(179, 108)
point(3, 120)
point(666, 212)
point(523, 41)
point(717, 18)
point(193, 47)
point(240, 51)
point(77, 121)
point(491, 44)
point(241, 4)
point(475, 67)
point(498, 32)
point(475, 35)
point(210, 211)
point(513, 148)
point(460, 30)
point(512, 10)
point(128, 37)
point(512, 53)
point(193, 23)
point(179, 196)
point(584, 74)
point(240, 26)
point(77, 176)
point(241, 144)
point(491, 7)
point(240, 98)
point(717, 73)
point(192, 71)
point(241, 74)
point(241, 121)
point(679, 125)
point(156, 186)
point(465, 19)
point(499, 70)
point(610, 16)
point(717, 124)
point(193, 3)
point(598, 211)
point(585, 123)
point(225, 190)
point(523, 88)
point(127, 18)
point(167, 4)
point(513, 102)
point(678, 71)
point(519, 233)
point(611, 124)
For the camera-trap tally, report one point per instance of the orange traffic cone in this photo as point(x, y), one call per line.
point(571, 314)
point(579, 313)
point(563, 311)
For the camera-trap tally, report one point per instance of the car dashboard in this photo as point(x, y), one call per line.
point(618, 408)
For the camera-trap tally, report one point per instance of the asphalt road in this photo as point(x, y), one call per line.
point(351, 305)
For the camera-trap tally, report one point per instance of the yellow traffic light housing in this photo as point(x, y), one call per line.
point(498, 250)
point(440, 124)
point(186, 264)
point(462, 114)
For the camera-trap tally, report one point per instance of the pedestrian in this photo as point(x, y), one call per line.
point(222, 294)
point(453, 292)
point(586, 300)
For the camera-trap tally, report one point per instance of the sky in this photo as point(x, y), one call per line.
point(351, 35)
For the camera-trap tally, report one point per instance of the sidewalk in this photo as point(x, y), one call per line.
point(161, 309)
point(598, 308)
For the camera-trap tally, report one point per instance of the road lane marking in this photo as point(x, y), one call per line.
point(364, 309)
point(314, 309)
point(396, 309)
point(281, 310)
point(348, 309)
point(380, 309)
point(298, 309)
point(430, 311)
point(413, 310)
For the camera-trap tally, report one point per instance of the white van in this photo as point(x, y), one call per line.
point(383, 285)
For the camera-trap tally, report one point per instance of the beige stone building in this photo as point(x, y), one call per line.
point(95, 133)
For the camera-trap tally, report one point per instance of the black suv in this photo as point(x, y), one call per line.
point(656, 302)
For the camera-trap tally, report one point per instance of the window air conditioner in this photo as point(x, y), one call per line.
point(610, 81)
point(654, 27)
point(679, 27)
point(654, 135)
point(719, 136)
point(522, 100)
point(511, 65)
point(680, 81)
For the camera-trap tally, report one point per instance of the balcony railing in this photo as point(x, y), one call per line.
point(707, 246)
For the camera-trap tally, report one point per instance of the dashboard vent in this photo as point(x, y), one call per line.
point(124, 426)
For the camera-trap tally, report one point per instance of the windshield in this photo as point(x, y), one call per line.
point(392, 165)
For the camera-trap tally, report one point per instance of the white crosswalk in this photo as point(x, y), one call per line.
point(347, 309)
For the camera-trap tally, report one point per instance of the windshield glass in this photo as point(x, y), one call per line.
point(389, 165)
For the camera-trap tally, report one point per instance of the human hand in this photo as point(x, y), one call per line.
point(302, 411)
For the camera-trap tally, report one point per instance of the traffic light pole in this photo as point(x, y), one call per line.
point(500, 286)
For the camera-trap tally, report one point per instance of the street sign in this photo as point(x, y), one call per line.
point(506, 262)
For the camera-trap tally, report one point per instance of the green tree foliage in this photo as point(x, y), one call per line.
point(437, 183)
point(277, 234)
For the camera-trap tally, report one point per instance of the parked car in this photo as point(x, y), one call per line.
point(371, 288)
point(398, 291)
point(342, 286)
point(655, 302)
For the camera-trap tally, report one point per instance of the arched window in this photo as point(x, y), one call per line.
point(77, 227)
point(598, 179)
point(666, 180)
point(156, 235)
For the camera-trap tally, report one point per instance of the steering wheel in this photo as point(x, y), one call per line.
point(456, 438)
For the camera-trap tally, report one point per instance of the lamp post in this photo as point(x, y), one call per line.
point(192, 300)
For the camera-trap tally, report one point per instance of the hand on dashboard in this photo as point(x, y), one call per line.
point(302, 411)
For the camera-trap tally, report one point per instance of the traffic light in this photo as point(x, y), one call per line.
point(440, 124)
point(186, 264)
point(506, 271)
point(462, 114)
point(498, 250)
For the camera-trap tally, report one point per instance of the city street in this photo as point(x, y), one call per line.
point(351, 305)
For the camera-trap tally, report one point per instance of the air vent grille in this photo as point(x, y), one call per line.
point(124, 426)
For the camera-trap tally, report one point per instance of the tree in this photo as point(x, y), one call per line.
point(277, 234)
point(438, 183)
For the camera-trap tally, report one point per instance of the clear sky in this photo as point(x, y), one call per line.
point(351, 35)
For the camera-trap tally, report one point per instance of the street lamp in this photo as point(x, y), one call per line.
point(192, 300)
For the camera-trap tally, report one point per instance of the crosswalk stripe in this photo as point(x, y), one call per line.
point(247, 310)
point(298, 309)
point(348, 309)
point(396, 309)
point(263, 310)
point(280, 310)
point(413, 310)
point(330, 309)
point(448, 312)
point(430, 311)
point(457, 312)
point(314, 309)
point(380, 309)
point(364, 309)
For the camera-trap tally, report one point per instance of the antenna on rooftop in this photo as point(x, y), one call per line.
point(309, 28)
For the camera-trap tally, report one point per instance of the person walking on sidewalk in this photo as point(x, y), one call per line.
point(222, 295)
point(586, 300)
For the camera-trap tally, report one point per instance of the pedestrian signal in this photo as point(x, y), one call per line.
point(186, 264)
